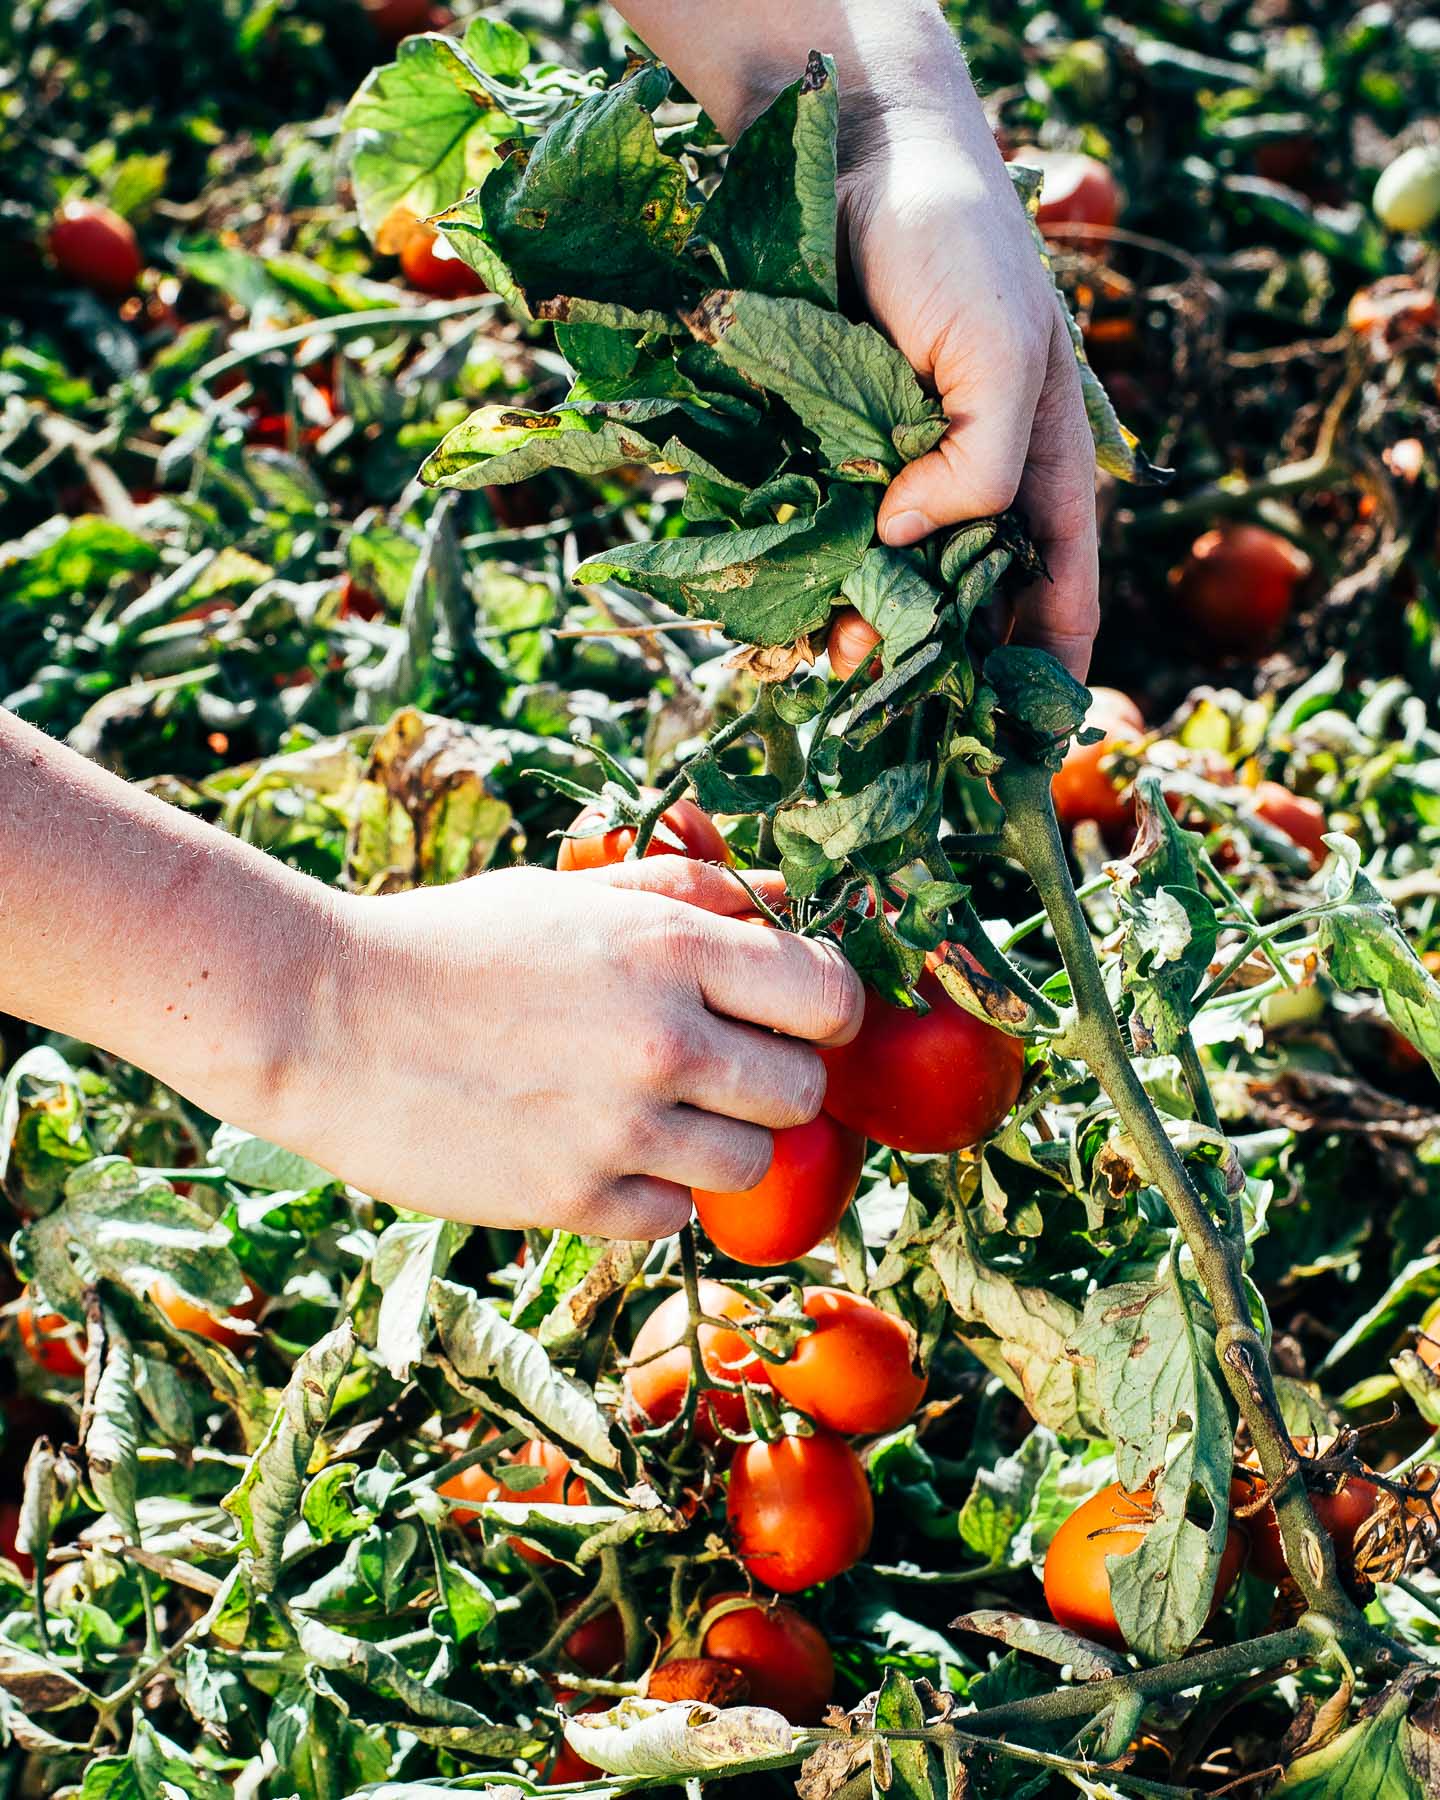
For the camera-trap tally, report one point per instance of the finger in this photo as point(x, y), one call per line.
point(754, 1075)
point(634, 1207)
point(706, 885)
point(1057, 496)
point(699, 1150)
point(989, 391)
point(800, 986)
point(852, 639)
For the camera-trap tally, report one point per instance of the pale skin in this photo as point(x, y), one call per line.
point(577, 1050)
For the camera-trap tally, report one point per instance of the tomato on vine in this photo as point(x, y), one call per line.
point(853, 1373)
point(658, 1372)
point(50, 1339)
point(560, 1487)
point(785, 1659)
point(431, 266)
point(799, 1510)
point(1341, 1506)
point(684, 830)
point(941, 1080)
point(234, 1328)
point(95, 246)
point(796, 1204)
point(1112, 1523)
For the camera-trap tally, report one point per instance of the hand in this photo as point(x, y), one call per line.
point(576, 1051)
point(944, 257)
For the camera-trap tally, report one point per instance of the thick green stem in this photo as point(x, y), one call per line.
point(1033, 839)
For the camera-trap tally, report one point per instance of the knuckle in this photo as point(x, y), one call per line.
point(667, 1055)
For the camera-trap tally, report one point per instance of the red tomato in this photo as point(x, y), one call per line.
point(396, 19)
point(52, 1341)
point(357, 602)
point(1341, 1514)
point(698, 1678)
point(96, 247)
point(799, 1510)
point(1111, 1523)
point(684, 821)
point(852, 1373)
point(568, 1765)
point(560, 1488)
point(1237, 586)
point(228, 1330)
point(1302, 821)
point(9, 1531)
point(1078, 189)
point(432, 267)
point(655, 1384)
point(940, 1082)
point(597, 1646)
point(851, 640)
point(796, 1204)
point(1081, 789)
point(785, 1659)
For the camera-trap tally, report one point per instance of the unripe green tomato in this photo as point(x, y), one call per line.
point(1407, 195)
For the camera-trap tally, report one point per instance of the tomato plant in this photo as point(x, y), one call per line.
point(1082, 787)
point(796, 1204)
point(799, 1510)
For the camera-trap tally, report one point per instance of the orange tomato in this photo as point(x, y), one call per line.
point(799, 1510)
point(229, 1329)
point(1342, 1514)
point(1302, 820)
point(50, 1339)
point(561, 1487)
point(659, 1371)
point(432, 267)
point(852, 1373)
point(1081, 789)
point(684, 830)
point(1111, 1523)
point(1237, 586)
point(796, 1204)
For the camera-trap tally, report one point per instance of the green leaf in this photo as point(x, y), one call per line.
point(1003, 1497)
point(423, 126)
point(1385, 1755)
point(408, 1257)
point(845, 382)
point(1151, 1351)
point(330, 1507)
point(253, 1162)
point(501, 444)
point(265, 1501)
point(889, 592)
point(113, 1434)
point(1362, 945)
point(596, 210)
point(65, 558)
point(884, 808)
point(520, 1383)
point(1036, 690)
point(772, 220)
point(911, 1769)
point(1170, 937)
point(42, 1125)
point(767, 584)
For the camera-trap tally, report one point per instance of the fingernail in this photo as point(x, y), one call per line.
point(906, 528)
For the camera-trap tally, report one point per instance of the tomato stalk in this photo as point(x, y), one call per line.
point(1032, 837)
point(784, 758)
point(680, 782)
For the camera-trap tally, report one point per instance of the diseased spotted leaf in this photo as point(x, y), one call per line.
point(252, 1162)
point(1363, 945)
point(1036, 690)
point(766, 584)
point(889, 592)
point(678, 1737)
point(112, 1428)
point(265, 1501)
point(1387, 1754)
point(772, 221)
point(845, 382)
point(500, 444)
point(1039, 1637)
point(408, 1257)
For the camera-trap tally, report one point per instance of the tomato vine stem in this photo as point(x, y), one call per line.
point(1032, 837)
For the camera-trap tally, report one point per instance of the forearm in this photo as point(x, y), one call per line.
point(131, 925)
point(735, 56)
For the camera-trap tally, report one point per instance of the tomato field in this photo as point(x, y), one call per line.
point(430, 446)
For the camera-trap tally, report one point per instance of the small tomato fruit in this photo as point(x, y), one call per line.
point(659, 1368)
point(799, 1510)
point(785, 1659)
point(684, 830)
point(796, 1204)
point(96, 247)
point(1237, 586)
point(853, 1372)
